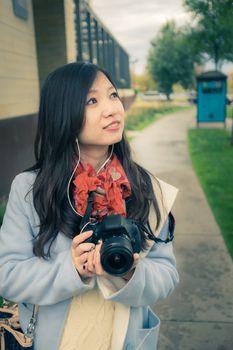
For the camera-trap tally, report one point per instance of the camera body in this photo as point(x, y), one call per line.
point(121, 239)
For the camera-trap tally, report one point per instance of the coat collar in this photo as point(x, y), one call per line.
point(165, 195)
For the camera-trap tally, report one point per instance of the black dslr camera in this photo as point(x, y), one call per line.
point(121, 239)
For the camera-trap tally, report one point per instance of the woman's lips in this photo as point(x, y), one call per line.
point(113, 126)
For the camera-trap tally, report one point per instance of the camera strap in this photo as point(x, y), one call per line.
point(171, 228)
point(140, 225)
point(87, 215)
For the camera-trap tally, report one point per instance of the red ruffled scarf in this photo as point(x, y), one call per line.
point(110, 187)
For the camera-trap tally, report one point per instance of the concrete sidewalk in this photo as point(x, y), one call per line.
point(199, 313)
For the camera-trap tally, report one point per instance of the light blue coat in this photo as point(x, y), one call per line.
point(27, 279)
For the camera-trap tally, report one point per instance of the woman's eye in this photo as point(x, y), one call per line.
point(115, 94)
point(91, 99)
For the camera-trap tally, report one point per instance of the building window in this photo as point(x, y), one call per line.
point(20, 8)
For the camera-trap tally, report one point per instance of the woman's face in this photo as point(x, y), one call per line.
point(104, 115)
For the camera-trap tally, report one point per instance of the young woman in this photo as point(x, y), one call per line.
point(46, 255)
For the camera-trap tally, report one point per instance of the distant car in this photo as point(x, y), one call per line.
point(229, 102)
point(151, 95)
point(192, 98)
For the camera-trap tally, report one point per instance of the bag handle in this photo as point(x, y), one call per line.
point(32, 323)
point(19, 336)
point(11, 323)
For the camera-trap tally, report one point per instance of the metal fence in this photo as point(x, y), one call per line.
point(96, 44)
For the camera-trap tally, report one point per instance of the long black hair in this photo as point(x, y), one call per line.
point(60, 120)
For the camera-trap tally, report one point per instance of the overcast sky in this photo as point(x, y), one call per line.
point(135, 22)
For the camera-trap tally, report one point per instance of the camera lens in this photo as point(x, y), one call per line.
point(117, 261)
point(117, 255)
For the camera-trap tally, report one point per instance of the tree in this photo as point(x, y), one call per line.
point(170, 59)
point(212, 33)
point(144, 82)
point(187, 58)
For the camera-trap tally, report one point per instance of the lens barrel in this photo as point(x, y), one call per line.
point(117, 255)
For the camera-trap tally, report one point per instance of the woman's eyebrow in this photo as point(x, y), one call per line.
point(96, 90)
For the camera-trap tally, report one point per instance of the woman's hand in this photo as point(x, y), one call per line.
point(86, 257)
point(82, 254)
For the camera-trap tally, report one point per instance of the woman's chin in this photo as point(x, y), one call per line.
point(116, 140)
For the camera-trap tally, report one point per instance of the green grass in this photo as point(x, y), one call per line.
point(140, 118)
point(229, 111)
point(212, 156)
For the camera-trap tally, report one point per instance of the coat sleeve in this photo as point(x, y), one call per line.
point(154, 278)
point(25, 277)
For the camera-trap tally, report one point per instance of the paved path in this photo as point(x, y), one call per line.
point(199, 313)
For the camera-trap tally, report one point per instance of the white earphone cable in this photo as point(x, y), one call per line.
point(69, 182)
point(71, 177)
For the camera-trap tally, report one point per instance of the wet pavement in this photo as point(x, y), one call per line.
point(199, 313)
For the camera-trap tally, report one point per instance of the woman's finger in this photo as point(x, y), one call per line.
point(82, 259)
point(84, 248)
point(90, 261)
point(136, 258)
point(81, 238)
point(85, 272)
point(97, 259)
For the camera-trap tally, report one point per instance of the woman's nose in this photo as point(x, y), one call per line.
point(108, 110)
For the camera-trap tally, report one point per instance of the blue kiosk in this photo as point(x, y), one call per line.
point(211, 97)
